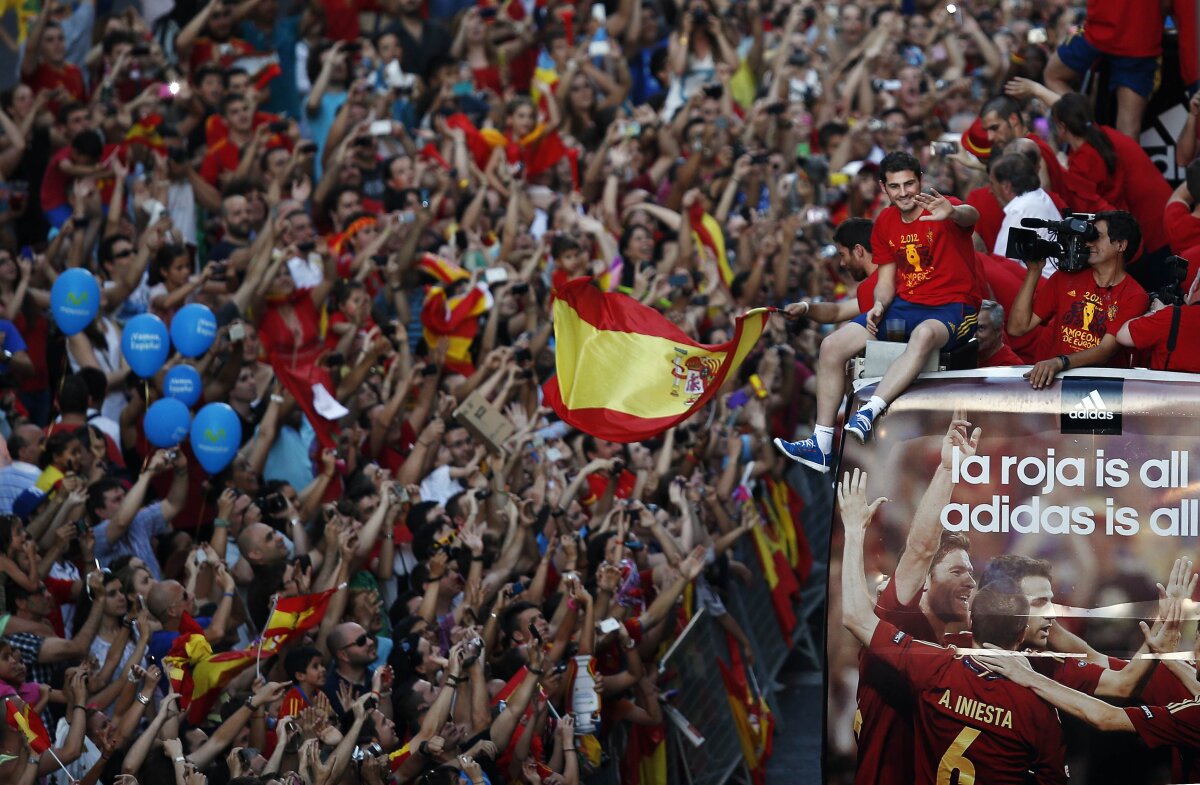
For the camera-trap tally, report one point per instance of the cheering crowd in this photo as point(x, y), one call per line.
point(376, 205)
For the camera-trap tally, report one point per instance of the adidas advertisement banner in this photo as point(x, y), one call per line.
point(1091, 405)
point(1072, 501)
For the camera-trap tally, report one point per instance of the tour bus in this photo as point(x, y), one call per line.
point(1093, 474)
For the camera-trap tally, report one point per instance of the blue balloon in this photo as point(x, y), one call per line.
point(183, 383)
point(74, 300)
point(166, 422)
point(193, 329)
point(216, 436)
point(145, 344)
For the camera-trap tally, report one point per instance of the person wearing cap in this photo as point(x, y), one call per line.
point(25, 447)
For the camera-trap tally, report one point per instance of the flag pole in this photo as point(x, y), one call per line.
point(61, 765)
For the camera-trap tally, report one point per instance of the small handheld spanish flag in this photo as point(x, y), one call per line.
point(27, 722)
point(292, 616)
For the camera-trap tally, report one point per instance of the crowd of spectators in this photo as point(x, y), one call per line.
point(378, 200)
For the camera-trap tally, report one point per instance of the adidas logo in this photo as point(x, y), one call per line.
point(1092, 407)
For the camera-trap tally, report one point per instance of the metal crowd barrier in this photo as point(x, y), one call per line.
point(691, 664)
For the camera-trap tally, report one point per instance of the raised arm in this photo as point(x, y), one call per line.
point(858, 608)
point(926, 531)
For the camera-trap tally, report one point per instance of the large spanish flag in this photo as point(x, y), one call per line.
point(626, 373)
point(26, 722)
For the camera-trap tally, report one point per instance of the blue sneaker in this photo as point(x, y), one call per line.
point(860, 424)
point(806, 452)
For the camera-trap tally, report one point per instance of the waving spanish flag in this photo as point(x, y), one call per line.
point(626, 373)
point(294, 615)
point(25, 721)
point(146, 132)
point(707, 234)
point(455, 319)
point(196, 673)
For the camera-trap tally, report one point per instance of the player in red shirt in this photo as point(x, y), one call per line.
point(1044, 633)
point(853, 241)
point(969, 724)
point(883, 724)
point(45, 65)
point(1128, 35)
point(1153, 332)
point(927, 282)
point(1084, 309)
point(1175, 724)
point(223, 158)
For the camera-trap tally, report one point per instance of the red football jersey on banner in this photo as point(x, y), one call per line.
point(883, 724)
point(972, 724)
point(935, 260)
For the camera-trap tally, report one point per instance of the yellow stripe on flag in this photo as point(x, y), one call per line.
point(611, 368)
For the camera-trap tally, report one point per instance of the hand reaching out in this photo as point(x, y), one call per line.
point(852, 502)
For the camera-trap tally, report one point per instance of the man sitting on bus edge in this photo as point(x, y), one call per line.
point(1084, 309)
point(927, 280)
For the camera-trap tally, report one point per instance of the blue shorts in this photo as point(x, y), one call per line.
point(959, 319)
point(1139, 74)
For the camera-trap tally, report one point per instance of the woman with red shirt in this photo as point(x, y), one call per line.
point(1092, 157)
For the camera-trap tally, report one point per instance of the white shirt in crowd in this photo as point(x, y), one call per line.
point(1032, 204)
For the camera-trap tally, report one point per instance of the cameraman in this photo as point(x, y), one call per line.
point(1084, 309)
point(1153, 331)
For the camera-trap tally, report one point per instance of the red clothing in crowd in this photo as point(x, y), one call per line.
point(1086, 164)
point(866, 292)
point(1181, 226)
point(1125, 28)
point(1146, 191)
point(222, 158)
point(991, 214)
point(1066, 189)
point(935, 260)
point(1152, 330)
point(1003, 356)
point(1005, 276)
point(296, 358)
point(1081, 313)
point(68, 77)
